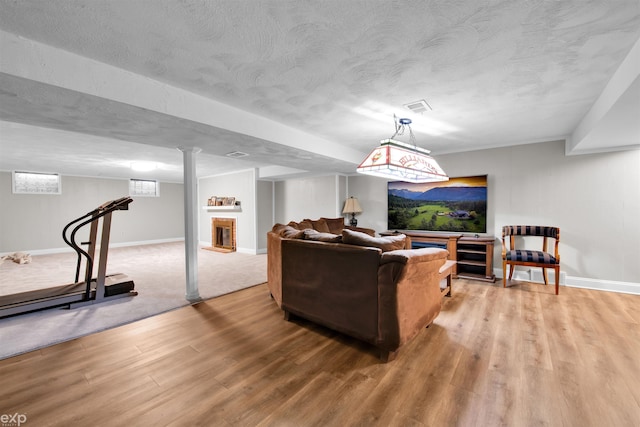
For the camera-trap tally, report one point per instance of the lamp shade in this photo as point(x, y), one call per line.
point(351, 206)
point(397, 160)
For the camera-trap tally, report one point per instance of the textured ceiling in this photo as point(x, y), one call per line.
point(495, 74)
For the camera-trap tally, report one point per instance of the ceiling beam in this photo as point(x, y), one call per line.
point(620, 97)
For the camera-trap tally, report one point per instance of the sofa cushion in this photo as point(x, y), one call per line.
point(386, 243)
point(335, 224)
point(320, 225)
point(304, 224)
point(321, 237)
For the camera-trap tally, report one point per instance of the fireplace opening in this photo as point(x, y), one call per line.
point(223, 237)
point(223, 234)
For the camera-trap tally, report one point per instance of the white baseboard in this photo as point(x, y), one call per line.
point(604, 285)
point(147, 242)
point(125, 244)
point(246, 251)
point(112, 245)
point(535, 275)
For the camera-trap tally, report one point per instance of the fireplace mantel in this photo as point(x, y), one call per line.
point(223, 208)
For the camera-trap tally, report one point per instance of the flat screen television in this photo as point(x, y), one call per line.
point(458, 205)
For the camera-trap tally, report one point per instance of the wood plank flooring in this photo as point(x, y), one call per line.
point(520, 356)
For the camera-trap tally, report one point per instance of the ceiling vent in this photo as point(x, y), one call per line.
point(418, 106)
point(236, 154)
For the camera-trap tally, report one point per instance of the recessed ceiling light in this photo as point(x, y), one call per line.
point(236, 154)
point(418, 106)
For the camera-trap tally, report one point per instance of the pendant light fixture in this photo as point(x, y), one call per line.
point(401, 161)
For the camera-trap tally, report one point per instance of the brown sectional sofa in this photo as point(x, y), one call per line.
point(373, 289)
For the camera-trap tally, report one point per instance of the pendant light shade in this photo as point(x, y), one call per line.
point(403, 162)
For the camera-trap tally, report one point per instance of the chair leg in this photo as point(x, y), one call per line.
point(544, 275)
point(557, 279)
point(512, 267)
point(504, 274)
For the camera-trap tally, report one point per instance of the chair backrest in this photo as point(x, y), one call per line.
point(531, 230)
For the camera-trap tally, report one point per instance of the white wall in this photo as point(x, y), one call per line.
point(315, 197)
point(594, 199)
point(265, 213)
point(33, 223)
point(371, 192)
point(242, 186)
point(342, 195)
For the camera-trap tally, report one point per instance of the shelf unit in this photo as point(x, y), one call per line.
point(473, 255)
point(475, 258)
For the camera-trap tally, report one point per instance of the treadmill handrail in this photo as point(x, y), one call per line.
point(73, 245)
point(102, 210)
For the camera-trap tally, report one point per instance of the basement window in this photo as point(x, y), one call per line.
point(144, 188)
point(35, 183)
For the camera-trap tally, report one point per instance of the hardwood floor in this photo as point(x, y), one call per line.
point(519, 356)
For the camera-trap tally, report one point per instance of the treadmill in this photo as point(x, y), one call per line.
point(79, 293)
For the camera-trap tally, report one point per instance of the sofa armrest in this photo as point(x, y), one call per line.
point(408, 243)
point(410, 297)
point(274, 266)
point(445, 277)
point(405, 256)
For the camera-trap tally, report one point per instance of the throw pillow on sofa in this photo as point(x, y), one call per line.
point(321, 237)
point(386, 243)
point(277, 227)
point(288, 231)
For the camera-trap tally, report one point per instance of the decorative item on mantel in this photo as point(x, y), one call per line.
point(352, 207)
point(221, 201)
point(215, 203)
point(400, 161)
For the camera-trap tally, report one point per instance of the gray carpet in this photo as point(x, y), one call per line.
point(159, 275)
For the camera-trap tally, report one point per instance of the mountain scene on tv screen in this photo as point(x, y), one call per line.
point(451, 209)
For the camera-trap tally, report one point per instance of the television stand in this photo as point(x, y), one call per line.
point(473, 255)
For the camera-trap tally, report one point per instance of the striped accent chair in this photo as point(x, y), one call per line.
point(532, 258)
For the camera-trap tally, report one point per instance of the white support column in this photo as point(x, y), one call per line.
point(191, 222)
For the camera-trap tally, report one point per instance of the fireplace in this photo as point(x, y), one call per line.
point(223, 234)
